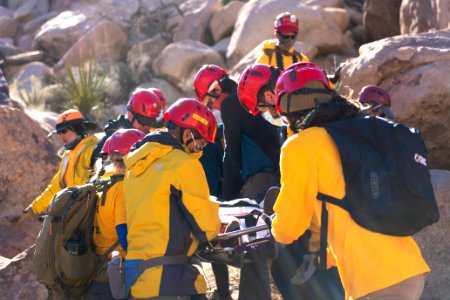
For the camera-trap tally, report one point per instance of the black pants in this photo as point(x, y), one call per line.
point(255, 280)
point(222, 280)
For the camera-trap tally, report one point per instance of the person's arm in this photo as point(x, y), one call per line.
point(201, 213)
point(41, 203)
point(232, 181)
point(120, 216)
point(294, 207)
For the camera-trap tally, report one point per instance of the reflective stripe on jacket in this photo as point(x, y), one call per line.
point(367, 261)
point(75, 165)
point(168, 213)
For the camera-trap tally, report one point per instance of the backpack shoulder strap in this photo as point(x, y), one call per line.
point(106, 184)
point(296, 56)
point(269, 52)
point(279, 58)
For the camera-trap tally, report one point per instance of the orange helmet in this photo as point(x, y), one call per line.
point(192, 114)
point(121, 141)
point(253, 78)
point(145, 106)
point(303, 78)
point(73, 119)
point(286, 23)
point(205, 77)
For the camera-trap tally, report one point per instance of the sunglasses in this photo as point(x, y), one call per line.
point(287, 37)
point(64, 131)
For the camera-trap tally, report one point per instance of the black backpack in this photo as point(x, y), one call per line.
point(388, 185)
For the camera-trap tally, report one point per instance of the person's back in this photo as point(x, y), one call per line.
point(371, 265)
point(168, 208)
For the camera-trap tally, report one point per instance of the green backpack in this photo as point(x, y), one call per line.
point(64, 257)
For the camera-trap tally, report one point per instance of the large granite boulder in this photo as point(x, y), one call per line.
point(28, 161)
point(418, 16)
point(434, 241)
point(413, 69)
point(179, 62)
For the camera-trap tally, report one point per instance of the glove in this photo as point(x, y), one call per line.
point(306, 270)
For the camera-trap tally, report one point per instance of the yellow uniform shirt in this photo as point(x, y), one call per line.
point(108, 216)
point(367, 261)
point(268, 55)
point(74, 170)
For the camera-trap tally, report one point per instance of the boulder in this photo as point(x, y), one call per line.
point(222, 46)
point(381, 18)
point(418, 16)
point(59, 34)
point(33, 25)
point(18, 280)
point(179, 62)
point(413, 69)
point(255, 24)
point(26, 11)
point(434, 241)
point(324, 3)
point(32, 76)
point(141, 56)
point(222, 22)
point(8, 27)
point(105, 43)
point(194, 25)
point(27, 163)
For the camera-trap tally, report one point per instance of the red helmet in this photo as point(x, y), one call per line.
point(204, 77)
point(160, 95)
point(378, 99)
point(373, 93)
point(294, 80)
point(286, 23)
point(144, 105)
point(121, 141)
point(192, 114)
point(253, 78)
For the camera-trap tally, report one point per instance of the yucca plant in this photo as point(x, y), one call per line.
point(84, 88)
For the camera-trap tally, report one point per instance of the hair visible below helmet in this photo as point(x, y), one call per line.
point(121, 141)
point(253, 78)
point(302, 86)
point(145, 103)
point(192, 114)
point(205, 77)
point(286, 23)
point(373, 93)
point(160, 95)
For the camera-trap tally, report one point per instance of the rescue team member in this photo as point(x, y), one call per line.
point(110, 220)
point(143, 110)
point(74, 169)
point(256, 92)
point(167, 202)
point(377, 100)
point(250, 164)
point(280, 52)
point(371, 265)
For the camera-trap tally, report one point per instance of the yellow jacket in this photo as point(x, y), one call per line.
point(168, 213)
point(367, 261)
point(74, 170)
point(108, 216)
point(268, 55)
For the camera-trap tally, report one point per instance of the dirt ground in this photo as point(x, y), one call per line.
point(234, 282)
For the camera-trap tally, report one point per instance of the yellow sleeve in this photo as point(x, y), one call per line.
point(42, 202)
point(202, 213)
point(120, 214)
point(262, 58)
point(85, 160)
point(294, 207)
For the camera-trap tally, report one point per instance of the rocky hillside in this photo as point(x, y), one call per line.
point(401, 45)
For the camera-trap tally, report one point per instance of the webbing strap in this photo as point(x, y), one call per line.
point(323, 237)
point(166, 260)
